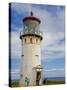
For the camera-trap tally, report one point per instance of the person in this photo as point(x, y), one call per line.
point(26, 81)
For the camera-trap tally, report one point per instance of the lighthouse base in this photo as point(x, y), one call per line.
point(21, 84)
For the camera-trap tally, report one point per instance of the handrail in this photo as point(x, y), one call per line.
point(37, 33)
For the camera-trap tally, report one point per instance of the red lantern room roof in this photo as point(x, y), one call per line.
point(31, 18)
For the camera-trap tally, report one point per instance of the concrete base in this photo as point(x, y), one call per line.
point(20, 84)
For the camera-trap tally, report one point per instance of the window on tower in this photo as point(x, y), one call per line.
point(21, 75)
point(22, 55)
point(30, 40)
point(25, 40)
point(36, 40)
point(37, 57)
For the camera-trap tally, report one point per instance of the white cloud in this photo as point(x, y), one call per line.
point(50, 38)
point(15, 71)
point(15, 45)
point(54, 69)
point(49, 56)
point(20, 8)
point(50, 46)
point(15, 74)
point(16, 28)
point(54, 73)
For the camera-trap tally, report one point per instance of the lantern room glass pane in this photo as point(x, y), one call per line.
point(31, 28)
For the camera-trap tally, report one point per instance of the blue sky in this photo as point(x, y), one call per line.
point(53, 45)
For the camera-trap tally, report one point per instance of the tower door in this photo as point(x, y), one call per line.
point(38, 77)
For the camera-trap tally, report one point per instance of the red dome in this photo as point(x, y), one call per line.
point(32, 18)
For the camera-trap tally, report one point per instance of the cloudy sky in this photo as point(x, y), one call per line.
point(53, 44)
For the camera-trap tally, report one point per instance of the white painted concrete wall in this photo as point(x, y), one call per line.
point(30, 58)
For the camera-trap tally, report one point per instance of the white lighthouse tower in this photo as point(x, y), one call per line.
point(30, 69)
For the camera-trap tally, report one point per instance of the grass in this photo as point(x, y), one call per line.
point(48, 82)
point(52, 82)
point(15, 84)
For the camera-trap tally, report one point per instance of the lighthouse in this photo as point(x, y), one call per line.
point(31, 37)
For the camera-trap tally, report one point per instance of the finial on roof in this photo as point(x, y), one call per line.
point(31, 13)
